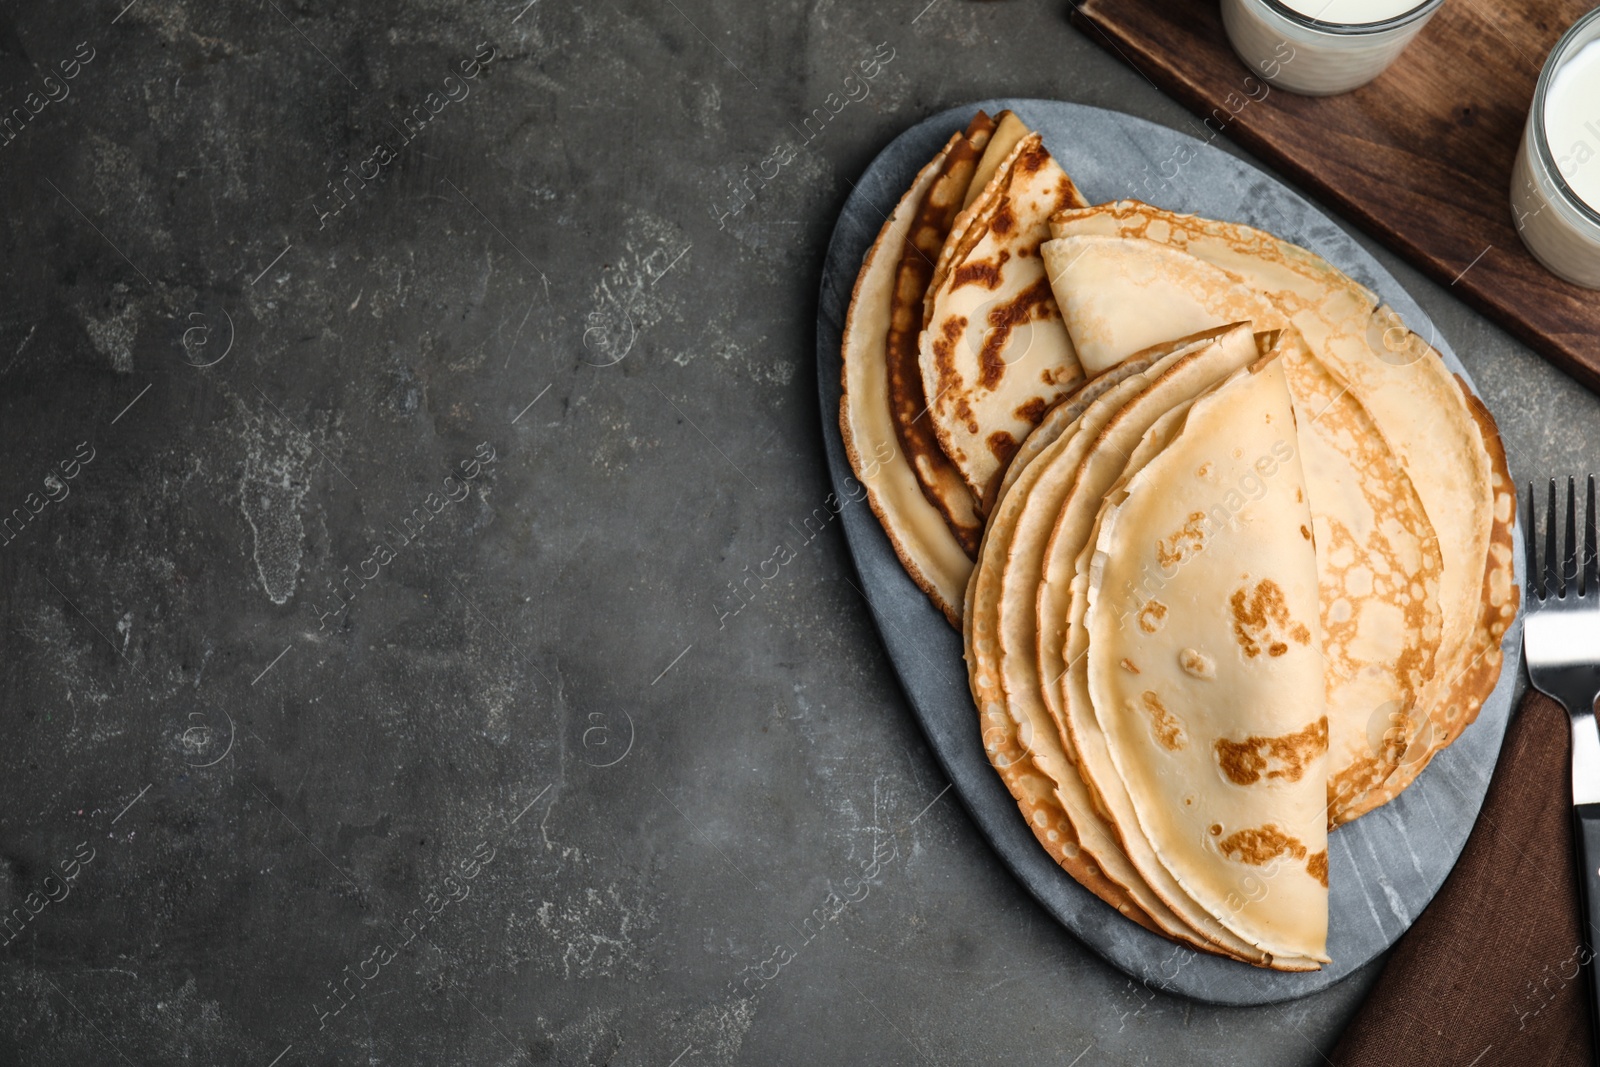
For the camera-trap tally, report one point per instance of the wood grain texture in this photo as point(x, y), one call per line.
point(1421, 158)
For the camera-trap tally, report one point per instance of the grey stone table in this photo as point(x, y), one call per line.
point(393, 398)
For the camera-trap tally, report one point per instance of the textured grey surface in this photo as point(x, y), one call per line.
point(1384, 868)
point(552, 239)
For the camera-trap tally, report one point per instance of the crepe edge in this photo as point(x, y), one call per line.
point(1499, 600)
point(925, 176)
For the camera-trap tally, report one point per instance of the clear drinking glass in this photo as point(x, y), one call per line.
point(1312, 56)
point(1559, 228)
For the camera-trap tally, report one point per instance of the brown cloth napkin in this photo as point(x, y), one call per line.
point(1491, 972)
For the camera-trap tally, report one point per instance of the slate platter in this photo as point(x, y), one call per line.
point(1386, 866)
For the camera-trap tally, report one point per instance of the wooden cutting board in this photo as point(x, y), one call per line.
point(1421, 158)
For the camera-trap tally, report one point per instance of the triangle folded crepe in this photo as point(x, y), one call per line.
point(1006, 135)
point(1130, 425)
point(1118, 295)
point(1406, 672)
point(1021, 743)
point(936, 213)
point(917, 530)
point(1379, 564)
point(1018, 736)
point(1201, 630)
point(1378, 568)
point(994, 353)
point(1022, 738)
point(1002, 142)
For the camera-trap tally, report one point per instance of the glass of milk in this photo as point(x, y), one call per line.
point(1555, 188)
point(1322, 47)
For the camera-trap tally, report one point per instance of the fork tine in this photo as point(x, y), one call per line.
point(1569, 555)
point(1552, 562)
point(1530, 546)
point(1591, 563)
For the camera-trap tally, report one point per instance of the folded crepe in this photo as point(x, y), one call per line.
point(941, 482)
point(1105, 441)
point(1378, 569)
point(1018, 734)
point(1442, 439)
point(1204, 669)
point(925, 248)
point(1006, 135)
point(994, 354)
point(1002, 142)
point(916, 528)
point(1121, 294)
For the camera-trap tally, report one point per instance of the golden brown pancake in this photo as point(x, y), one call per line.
point(1442, 436)
point(940, 481)
point(916, 529)
point(995, 355)
point(1199, 647)
point(1020, 737)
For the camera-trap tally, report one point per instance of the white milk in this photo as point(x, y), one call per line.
point(1352, 12)
point(1572, 122)
point(1552, 221)
point(1318, 62)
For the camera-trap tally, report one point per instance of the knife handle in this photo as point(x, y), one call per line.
point(1586, 841)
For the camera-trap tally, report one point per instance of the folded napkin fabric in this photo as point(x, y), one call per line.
point(1492, 972)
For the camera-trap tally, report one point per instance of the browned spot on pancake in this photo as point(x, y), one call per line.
point(1299, 496)
point(1259, 845)
point(1216, 829)
point(1189, 539)
point(944, 351)
point(964, 413)
point(1128, 665)
point(1164, 725)
point(1032, 158)
point(981, 272)
point(1287, 757)
point(1305, 532)
point(1003, 445)
point(1004, 219)
point(1032, 411)
point(1151, 615)
point(1036, 301)
point(1068, 195)
point(1317, 866)
point(1260, 616)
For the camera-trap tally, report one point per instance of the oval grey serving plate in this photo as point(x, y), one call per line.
point(1386, 866)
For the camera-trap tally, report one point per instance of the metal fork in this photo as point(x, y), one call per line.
point(1561, 645)
point(1561, 635)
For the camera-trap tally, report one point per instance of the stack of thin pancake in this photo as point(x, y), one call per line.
point(1230, 547)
